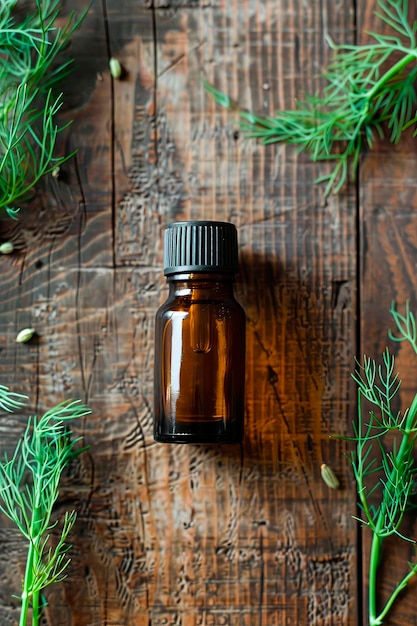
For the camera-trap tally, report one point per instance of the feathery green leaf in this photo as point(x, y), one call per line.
point(29, 489)
point(29, 72)
point(370, 91)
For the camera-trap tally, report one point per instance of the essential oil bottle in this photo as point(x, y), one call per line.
point(199, 373)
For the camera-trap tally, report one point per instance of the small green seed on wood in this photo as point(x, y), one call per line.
point(55, 172)
point(25, 335)
point(329, 477)
point(6, 248)
point(115, 68)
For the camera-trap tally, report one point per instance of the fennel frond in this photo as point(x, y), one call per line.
point(370, 93)
point(383, 460)
point(29, 489)
point(29, 73)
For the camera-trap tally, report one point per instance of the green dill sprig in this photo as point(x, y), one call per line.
point(29, 73)
point(370, 92)
point(29, 489)
point(384, 469)
point(10, 401)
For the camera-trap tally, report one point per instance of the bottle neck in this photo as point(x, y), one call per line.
point(201, 285)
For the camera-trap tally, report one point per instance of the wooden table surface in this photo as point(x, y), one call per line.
point(207, 535)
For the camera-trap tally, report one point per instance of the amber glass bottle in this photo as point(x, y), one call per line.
point(200, 338)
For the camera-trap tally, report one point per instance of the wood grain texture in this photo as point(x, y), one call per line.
point(194, 535)
point(388, 235)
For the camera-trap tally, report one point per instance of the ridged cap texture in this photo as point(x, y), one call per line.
point(200, 246)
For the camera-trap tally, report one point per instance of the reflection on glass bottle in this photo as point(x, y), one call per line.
point(200, 343)
point(200, 327)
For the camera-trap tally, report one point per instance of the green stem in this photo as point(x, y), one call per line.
point(30, 597)
point(372, 578)
point(376, 548)
point(391, 73)
point(379, 85)
point(36, 607)
point(27, 583)
point(394, 595)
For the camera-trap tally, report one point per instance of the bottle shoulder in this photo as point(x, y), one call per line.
point(181, 307)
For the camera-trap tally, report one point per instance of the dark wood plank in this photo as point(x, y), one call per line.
point(57, 218)
point(388, 196)
point(267, 557)
point(192, 535)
